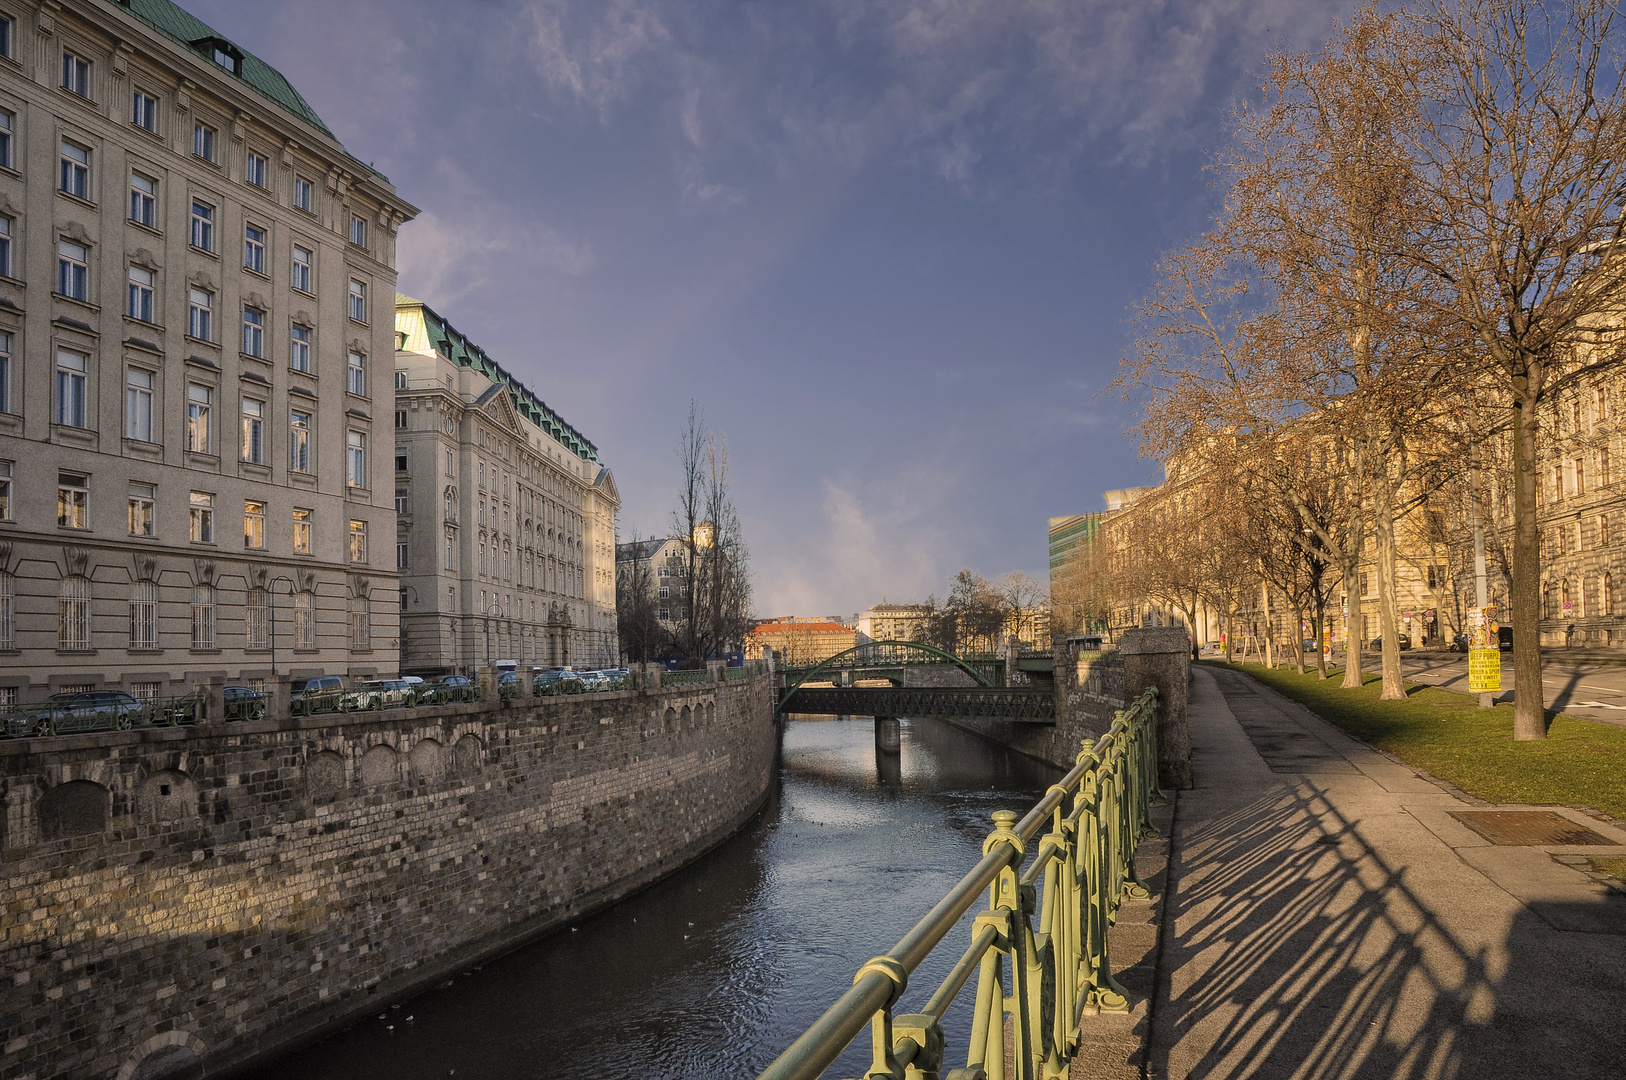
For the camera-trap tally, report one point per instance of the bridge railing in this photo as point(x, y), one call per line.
point(1058, 973)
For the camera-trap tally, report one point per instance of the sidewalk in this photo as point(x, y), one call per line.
point(1327, 916)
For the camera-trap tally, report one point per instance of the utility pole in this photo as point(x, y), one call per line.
point(1480, 589)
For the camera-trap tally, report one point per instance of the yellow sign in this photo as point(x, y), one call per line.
point(1484, 671)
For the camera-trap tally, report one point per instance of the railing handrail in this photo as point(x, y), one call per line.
point(880, 983)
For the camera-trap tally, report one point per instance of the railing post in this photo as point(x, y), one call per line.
point(281, 694)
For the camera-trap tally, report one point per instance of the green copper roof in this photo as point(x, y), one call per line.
point(450, 343)
point(186, 30)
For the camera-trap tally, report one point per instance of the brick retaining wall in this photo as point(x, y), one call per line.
point(219, 893)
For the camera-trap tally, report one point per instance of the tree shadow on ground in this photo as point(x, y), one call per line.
point(1314, 958)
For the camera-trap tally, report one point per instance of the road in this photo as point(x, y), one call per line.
point(1592, 689)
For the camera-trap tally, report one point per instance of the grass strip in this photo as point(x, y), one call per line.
point(1612, 867)
point(1446, 734)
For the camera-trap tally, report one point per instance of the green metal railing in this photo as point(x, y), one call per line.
point(685, 678)
point(1058, 973)
point(48, 719)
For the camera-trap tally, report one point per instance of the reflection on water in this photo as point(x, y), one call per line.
point(713, 971)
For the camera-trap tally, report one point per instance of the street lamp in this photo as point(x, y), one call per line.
point(271, 594)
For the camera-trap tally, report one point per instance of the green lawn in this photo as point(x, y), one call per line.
point(1447, 735)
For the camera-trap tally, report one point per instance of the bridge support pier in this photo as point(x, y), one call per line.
point(888, 735)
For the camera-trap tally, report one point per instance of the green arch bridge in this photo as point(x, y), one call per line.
point(805, 689)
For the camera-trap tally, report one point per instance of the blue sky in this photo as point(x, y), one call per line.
point(890, 248)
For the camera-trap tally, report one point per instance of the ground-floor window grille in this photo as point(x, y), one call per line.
point(361, 626)
point(304, 621)
point(73, 614)
point(203, 617)
point(144, 615)
point(256, 617)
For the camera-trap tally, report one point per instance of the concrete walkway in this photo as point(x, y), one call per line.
point(1327, 916)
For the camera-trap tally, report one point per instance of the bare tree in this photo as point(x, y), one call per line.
point(637, 609)
point(714, 601)
point(1521, 116)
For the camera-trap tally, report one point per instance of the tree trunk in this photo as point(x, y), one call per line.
point(1529, 708)
point(1298, 635)
point(1321, 638)
point(1230, 632)
point(1352, 622)
point(1269, 651)
point(1383, 534)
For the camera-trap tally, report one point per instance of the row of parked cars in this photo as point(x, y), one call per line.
point(111, 710)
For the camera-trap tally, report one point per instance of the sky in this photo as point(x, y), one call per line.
point(890, 250)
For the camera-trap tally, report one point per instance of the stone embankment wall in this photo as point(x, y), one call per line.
point(1089, 688)
point(184, 896)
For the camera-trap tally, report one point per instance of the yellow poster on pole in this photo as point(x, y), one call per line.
point(1484, 671)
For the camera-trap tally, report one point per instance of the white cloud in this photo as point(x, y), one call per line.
point(445, 258)
point(594, 55)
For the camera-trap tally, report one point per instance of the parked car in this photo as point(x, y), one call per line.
point(1403, 639)
point(78, 710)
point(447, 688)
point(244, 703)
point(379, 694)
point(324, 693)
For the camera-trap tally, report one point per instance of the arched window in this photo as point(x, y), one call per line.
point(1607, 595)
point(361, 627)
point(8, 611)
point(1546, 600)
point(304, 621)
point(450, 501)
point(203, 616)
point(73, 614)
point(257, 619)
point(143, 615)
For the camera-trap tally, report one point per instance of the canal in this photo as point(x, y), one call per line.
point(716, 969)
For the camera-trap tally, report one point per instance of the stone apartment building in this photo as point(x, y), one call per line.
point(665, 560)
point(195, 378)
point(506, 532)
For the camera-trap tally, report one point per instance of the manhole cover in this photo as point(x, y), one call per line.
point(1528, 828)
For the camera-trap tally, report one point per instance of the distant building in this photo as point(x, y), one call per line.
point(506, 535)
point(1067, 534)
point(800, 642)
point(666, 560)
point(892, 622)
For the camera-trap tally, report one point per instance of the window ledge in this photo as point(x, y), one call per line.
point(71, 197)
point(202, 341)
point(144, 227)
point(94, 309)
point(204, 652)
point(261, 274)
point(76, 652)
point(144, 324)
point(203, 251)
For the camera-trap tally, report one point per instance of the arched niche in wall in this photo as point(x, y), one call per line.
point(468, 756)
point(324, 775)
point(380, 765)
point(427, 759)
point(76, 808)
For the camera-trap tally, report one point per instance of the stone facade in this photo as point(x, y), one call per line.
point(216, 893)
point(506, 538)
point(195, 331)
